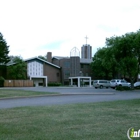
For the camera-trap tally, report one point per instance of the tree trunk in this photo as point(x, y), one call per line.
point(132, 82)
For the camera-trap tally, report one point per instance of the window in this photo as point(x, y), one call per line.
point(67, 74)
point(67, 64)
point(57, 74)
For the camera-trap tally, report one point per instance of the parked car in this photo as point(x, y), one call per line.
point(101, 83)
point(119, 82)
point(137, 84)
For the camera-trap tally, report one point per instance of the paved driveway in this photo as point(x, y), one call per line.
point(70, 90)
point(70, 96)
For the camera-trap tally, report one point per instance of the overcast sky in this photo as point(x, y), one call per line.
point(35, 27)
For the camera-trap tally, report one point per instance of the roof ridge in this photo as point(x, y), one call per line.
point(43, 61)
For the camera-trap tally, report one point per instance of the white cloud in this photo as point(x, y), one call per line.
point(27, 25)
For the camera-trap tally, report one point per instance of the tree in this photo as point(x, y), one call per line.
point(42, 57)
point(137, 49)
point(126, 54)
point(4, 58)
point(17, 69)
point(101, 64)
point(121, 57)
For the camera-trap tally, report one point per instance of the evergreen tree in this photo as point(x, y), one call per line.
point(4, 50)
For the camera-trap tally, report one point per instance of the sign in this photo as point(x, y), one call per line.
point(132, 133)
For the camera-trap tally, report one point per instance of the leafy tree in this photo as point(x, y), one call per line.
point(17, 69)
point(120, 58)
point(100, 66)
point(137, 49)
point(125, 54)
point(4, 58)
point(42, 57)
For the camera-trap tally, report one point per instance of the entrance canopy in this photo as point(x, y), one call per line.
point(79, 80)
point(39, 79)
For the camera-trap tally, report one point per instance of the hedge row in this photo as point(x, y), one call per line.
point(54, 84)
point(121, 88)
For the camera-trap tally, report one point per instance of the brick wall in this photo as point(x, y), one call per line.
point(53, 73)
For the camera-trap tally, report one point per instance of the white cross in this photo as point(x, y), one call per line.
point(86, 39)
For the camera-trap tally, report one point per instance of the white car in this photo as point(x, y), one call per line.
point(119, 82)
point(137, 84)
point(101, 83)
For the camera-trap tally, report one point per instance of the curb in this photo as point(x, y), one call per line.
point(34, 96)
point(19, 97)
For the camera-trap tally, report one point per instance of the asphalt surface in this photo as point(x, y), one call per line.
point(69, 96)
point(68, 90)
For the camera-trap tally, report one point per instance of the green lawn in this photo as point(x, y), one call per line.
point(91, 121)
point(20, 93)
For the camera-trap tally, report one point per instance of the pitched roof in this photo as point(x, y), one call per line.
point(9, 64)
point(60, 57)
point(42, 61)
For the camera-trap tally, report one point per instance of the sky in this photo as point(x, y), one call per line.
point(35, 27)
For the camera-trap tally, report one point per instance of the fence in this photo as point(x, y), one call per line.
point(18, 83)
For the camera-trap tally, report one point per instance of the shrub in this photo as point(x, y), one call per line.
point(1, 81)
point(137, 87)
point(121, 88)
point(54, 84)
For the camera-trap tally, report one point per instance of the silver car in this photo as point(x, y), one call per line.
point(137, 84)
point(119, 82)
point(101, 83)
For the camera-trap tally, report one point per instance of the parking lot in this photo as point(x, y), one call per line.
point(71, 90)
point(69, 95)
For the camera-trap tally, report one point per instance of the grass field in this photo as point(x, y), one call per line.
point(20, 93)
point(92, 121)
